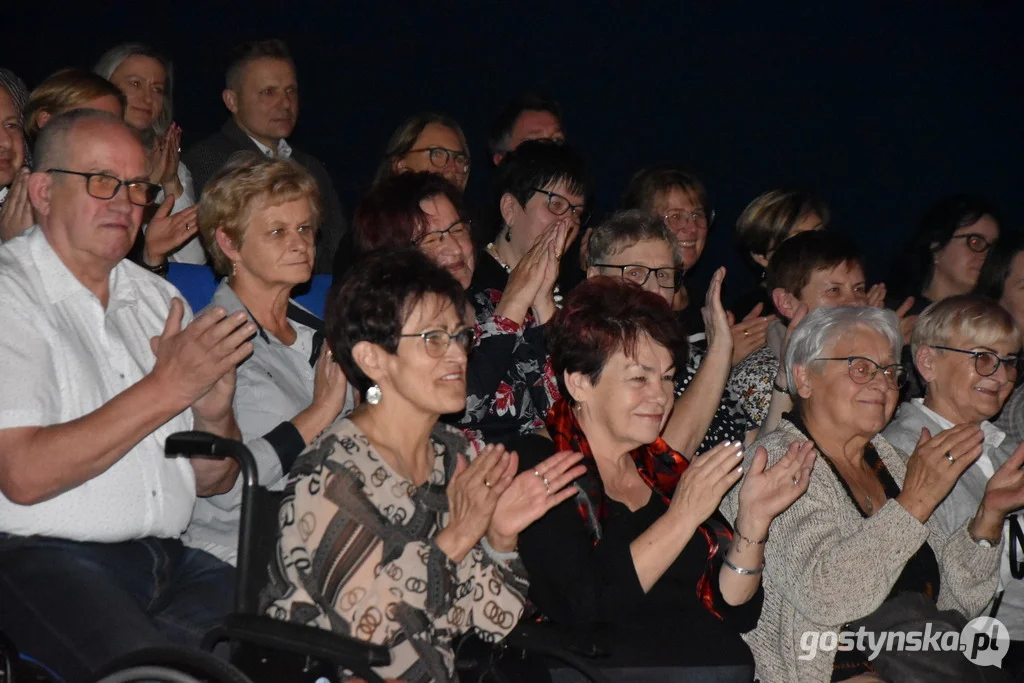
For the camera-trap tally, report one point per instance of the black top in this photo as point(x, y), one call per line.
point(592, 591)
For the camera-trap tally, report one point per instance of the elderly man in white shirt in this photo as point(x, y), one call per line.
point(966, 350)
point(101, 361)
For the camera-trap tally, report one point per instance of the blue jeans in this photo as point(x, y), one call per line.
point(75, 606)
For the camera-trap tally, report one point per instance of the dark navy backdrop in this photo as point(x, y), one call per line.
point(879, 108)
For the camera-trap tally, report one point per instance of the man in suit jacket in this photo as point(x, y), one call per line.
point(263, 98)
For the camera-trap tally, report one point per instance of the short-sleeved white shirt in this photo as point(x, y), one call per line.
point(62, 356)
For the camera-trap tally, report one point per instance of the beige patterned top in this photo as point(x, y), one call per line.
point(356, 556)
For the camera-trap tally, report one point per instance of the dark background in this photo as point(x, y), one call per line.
point(880, 109)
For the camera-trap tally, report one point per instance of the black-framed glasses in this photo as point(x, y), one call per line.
point(432, 239)
point(667, 278)
point(863, 370)
point(440, 156)
point(436, 342)
point(103, 186)
point(979, 244)
point(987, 363)
point(559, 205)
point(682, 217)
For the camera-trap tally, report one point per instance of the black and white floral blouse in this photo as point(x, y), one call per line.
point(356, 555)
point(731, 421)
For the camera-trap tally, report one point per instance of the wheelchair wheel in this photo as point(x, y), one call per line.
point(170, 665)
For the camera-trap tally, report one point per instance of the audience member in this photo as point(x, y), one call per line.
point(641, 561)
point(638, 247)
point(101, 362)
point(147, 80)
point(15, 208)
point(531, 116)
point(945, 256)
point(767, 222)
point(1002, 280)
point(966, 350)
point(426, 210)
point(427, 142)
point(862, 548)
point(436, 524)
point(260, 217)
point(262, 94)
point(541, 190)
point(681, 200)
point(806, 272)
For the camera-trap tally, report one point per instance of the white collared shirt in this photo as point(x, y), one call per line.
point(284, 150)
point(62, 356)
point(993, 437)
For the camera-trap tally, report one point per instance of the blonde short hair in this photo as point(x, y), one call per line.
point(229, 197)
point(64, 90)
point(982, 321)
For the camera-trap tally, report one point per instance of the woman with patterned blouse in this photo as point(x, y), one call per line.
point(641, 563)
point(406, 536)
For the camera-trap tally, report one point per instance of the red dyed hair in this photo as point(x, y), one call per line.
point(602, 316)
point(390, 214)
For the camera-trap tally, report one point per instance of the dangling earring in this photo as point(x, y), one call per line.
point(508, 234)
point(234, 268)
point(373, 395)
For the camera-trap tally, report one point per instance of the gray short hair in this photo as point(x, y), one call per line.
point(112, 58)
point(826, 324)
point(53, 144)
point(623, 229)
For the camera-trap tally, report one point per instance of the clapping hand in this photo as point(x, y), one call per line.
point(531, 495)
point(717, 325)
point(935, 466)
point(473, 493)
point(767, 493)
point(749, 334)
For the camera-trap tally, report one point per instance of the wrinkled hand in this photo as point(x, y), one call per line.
point(16, 214)
point(164, 160)
point(1005, 490)
point(930, 474)
point(528, 498)
point(749, 334)
point(561, 233)
point(876, 295)
point(907, 322)
point(190, 361)
point(473, 493)
point(717, 326)
point(166, 233)
point(706, 480)
point(330, 386)
point(525, 280)
point(767, 493)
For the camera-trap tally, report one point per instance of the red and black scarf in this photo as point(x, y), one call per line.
point(659, 466)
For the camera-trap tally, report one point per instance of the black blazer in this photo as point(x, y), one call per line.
point(207, 157)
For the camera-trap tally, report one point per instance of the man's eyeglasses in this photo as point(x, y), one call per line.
point(863, 370)
point(440, 156)
point(436, 342)
point(433, 239)
point(979, 244)
point(667, 278)
point(559, 205)
point(680, 217)
point(987, 363)
point(103, 186)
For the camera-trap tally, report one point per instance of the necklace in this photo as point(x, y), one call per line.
point(493, 251)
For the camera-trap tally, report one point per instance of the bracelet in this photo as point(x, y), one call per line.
point(761, 542)
point(497, 554)
point(160, 270)
point(776, 387)
point(740, 570)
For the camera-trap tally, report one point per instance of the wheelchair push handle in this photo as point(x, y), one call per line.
point(208, 445)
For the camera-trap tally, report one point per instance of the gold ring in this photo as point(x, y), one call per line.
point(487, 483)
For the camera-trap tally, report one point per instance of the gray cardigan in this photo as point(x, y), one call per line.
point(825, 565)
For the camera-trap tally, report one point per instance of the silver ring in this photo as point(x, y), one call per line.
point(746, 333)
point(796, 481)
point(949, 457)
point(537, 473)
point(487, 483)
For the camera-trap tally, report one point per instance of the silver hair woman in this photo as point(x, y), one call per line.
point(147, 78)
point(861, 543)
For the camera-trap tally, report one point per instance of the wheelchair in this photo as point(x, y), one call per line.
point(261, 649)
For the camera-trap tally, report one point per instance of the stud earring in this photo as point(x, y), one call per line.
point(373, 395)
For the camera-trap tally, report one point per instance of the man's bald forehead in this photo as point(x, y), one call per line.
point(76, 128)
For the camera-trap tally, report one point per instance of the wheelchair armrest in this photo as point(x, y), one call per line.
point(305, 640)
